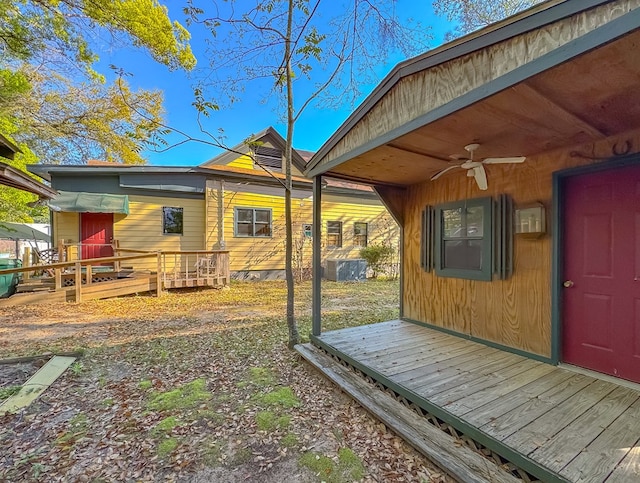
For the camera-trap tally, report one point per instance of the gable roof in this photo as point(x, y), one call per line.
point(266, 136)
point(453, 89)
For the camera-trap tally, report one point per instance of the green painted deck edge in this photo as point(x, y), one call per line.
point(520, 460)
point(495, 345)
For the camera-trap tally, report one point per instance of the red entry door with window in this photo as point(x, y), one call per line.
point(96, 235)
point(601, 289)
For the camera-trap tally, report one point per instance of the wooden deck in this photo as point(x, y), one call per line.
point(556, 424)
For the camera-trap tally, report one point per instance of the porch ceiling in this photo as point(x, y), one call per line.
point(591, 97)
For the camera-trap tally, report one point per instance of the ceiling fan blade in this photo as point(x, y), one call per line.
point(481, 177)
point(511, 160)
point(440, 173)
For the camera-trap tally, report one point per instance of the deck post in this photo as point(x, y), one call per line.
point(26, 262)
point(316, 308)
point(89, 275)
point(158, 277)
point(58, 278)
point(78, 281)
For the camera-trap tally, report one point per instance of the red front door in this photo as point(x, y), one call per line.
point(601, 290)
point(96, 235)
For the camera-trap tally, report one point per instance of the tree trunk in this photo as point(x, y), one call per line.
point(294, 336)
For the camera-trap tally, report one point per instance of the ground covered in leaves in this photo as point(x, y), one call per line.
point(195, 387)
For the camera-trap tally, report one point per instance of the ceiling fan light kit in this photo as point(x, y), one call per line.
point(475, 169)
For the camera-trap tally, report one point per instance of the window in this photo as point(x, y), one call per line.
point(253, 222)
point(172, 220)
point(307, 230)
point(360, 230)
point(463, 239)
point(334, 234)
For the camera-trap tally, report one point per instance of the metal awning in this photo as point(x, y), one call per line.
point(82, 202)
point(21, 231)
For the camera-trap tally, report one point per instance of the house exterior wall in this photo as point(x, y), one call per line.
point(515, 312)
point(141, 229)
point(264, 256)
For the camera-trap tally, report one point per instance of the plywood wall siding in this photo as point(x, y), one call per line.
point(242, 162)
point(515, 312)
point(420, 93)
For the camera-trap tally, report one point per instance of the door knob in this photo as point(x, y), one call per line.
point(568, 284)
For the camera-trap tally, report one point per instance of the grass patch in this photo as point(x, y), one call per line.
point(269, 421)
point(165, 426)
point(188, 396)
point(289, 440)
point(259, 376)
point(146, 384)
point(349, 467)
point(282, 396)
point(240, 457)
point(167, 446)
point(7, 392)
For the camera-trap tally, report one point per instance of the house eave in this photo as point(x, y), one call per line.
point(529, 20)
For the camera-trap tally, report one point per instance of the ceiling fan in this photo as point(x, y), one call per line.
point(475, 169)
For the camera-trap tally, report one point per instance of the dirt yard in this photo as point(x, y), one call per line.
point(195, 387)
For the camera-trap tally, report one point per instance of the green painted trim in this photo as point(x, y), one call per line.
point(557, 261)
point(316, 259)
point(591, 40)
point(557, 255)
point(486, 272)
point(401, 294)
point(510, 454)
point(495, 345)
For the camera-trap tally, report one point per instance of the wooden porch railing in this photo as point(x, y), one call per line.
point(173, 269)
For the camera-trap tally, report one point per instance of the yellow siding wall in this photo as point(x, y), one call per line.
point(262, 253)
point(141, 229)
point(246, 162)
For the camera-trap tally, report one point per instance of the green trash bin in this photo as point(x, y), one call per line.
point(9, 282)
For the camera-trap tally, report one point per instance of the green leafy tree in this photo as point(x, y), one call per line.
point(472, 15)
point(313, 53)
point(51, 96)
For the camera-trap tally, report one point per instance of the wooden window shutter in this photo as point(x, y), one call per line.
point(427, 235)
point(503, 237)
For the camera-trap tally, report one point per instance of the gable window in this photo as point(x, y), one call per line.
point(172, 220)
point(463, 239)
point(334, 234)
point(253, 222)
point(360, 232)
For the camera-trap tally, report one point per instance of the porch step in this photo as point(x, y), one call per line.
point(442, 449)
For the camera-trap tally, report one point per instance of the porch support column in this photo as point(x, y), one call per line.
point(316, 323)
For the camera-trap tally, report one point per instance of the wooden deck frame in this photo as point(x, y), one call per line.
point(348, 346)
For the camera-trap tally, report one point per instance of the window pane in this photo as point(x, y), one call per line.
point(172, 220)
point(244, 229)
point(244, 215)
point(452, 223)
point(334, 227)
point(475, 217)
point(463, 254)
point(263, 229)
point(359, 228)
point(333, 240)
point(263, 216)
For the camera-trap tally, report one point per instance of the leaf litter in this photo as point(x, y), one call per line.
point(196, 386)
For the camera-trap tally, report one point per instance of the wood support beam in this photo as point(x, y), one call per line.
point(316, 306)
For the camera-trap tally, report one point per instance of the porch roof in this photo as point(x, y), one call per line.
point(559, 76)
point(10, 176)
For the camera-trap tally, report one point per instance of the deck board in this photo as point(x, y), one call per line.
point(570, 425)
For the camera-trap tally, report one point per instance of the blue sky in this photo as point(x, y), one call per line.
point(249, 115)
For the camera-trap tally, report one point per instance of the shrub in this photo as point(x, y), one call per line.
point(377, 256)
